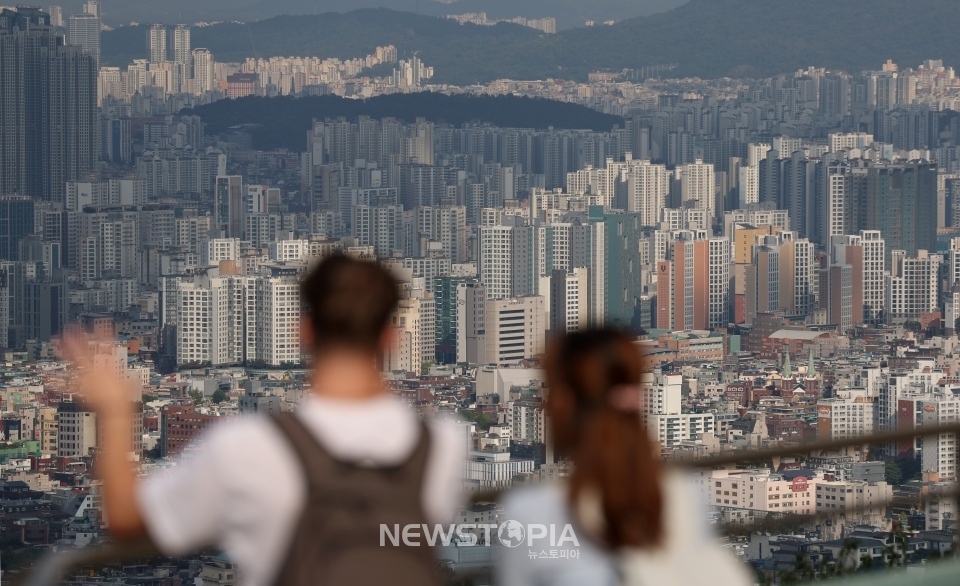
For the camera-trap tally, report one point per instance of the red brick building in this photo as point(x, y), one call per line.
point(180, 425)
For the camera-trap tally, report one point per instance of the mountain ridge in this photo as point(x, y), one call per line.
point(706, 38)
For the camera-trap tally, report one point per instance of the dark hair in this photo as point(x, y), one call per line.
point(607, 443)
point(349, 302)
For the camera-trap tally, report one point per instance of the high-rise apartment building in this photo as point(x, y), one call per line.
point(202, 67)
point(181, 48)
point(648, 186)
point(901, 202)
point(912, 286)
point(791, 261)
point(157, 43)
point(693, 289)
point(48, 119)
point(507, 264)
point(568, 301)
point(276, 325)
point(698, 186)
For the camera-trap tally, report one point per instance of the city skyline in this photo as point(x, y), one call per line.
point(782, 251)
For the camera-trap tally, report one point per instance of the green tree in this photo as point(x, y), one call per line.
point(892, 474)
point(197, 397)
point(219, 396)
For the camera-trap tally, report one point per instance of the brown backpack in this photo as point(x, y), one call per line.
point(337, 540)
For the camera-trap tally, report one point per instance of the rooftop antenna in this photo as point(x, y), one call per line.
point(250, 32)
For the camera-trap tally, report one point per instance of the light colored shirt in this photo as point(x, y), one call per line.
point(686, 537)
point(243, 488)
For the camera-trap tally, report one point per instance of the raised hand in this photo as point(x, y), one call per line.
point(102, 388)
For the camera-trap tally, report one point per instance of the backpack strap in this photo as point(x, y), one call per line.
point(318, 464)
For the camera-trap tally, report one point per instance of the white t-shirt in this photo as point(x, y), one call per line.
point(688, 555)
point(244, 488)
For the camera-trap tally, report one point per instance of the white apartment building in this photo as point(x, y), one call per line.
point(841, 418)
point(850, 140)
point(660, 393)
point(893, 386)
point(647, 188)
point(720, 254)
point(507, 260)
point(378, 226)
point(527, 421)
point(514, 329)
point(77, 433)
point(938, 452)
point(759, 490)
point(211, 316)
point(912, 287)
point(874, 252)
point(568, 301)
point(277, 314)
point(672, 429)
point(289, 250)
point(219, 249)
point(748, 185)
point(854, 496)
point(203, 75)
point(189, 232)
point(698, 183)
point(235, 319)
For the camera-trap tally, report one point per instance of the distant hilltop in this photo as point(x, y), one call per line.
point(705, 38)
point(281, 122)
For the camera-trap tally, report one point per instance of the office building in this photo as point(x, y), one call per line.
point(16, 223)
point(447, 315)
point(84, 32)
point(514, 329)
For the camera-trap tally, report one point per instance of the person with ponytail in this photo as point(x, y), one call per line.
point(635, 522)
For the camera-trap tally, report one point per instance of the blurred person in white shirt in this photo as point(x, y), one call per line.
point(633, 521)
point(249, 489)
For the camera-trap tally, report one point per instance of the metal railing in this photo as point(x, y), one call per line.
point(54, 567)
